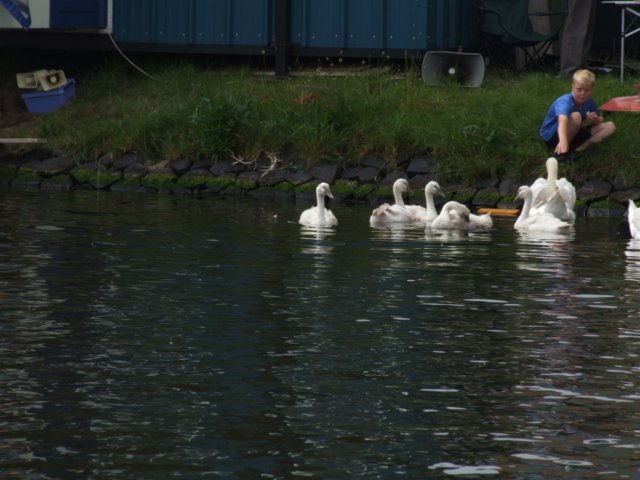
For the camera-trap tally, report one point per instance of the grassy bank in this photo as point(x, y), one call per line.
point(189, 111)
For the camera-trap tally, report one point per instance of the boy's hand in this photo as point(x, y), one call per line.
point(593, 118)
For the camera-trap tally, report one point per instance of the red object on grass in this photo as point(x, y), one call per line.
point(622, 104)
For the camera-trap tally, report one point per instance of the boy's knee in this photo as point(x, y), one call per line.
point(575, 118)
point(608, 129)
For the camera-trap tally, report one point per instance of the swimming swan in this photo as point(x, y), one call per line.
point(633, 215)
point(396, 213)
point(319, 216)
point(456, 216)
point(481, 221)
point(426, 215)
point(553, 195)
point(540, 222)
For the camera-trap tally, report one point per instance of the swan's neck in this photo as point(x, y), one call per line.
point(552, 175)
point(397, 196)
point(524, 214)
point(320, 203)
point(431, 206)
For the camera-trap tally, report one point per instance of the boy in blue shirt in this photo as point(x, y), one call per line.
point(573, 121)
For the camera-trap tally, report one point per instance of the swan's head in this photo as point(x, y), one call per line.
point(523, 192)
point(433, 188)
point(401, 184)
point(552, 164)
point(324, 190)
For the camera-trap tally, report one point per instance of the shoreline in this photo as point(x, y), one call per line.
point(368, 183)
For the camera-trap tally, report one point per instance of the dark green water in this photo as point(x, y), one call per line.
point(172, 337)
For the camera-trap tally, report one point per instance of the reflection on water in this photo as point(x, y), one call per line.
point(156, 337)
point(632, 265)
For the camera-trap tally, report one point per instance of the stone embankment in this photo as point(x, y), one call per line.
point(368, 183)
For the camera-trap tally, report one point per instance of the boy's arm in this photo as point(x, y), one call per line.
point(563, 141)
point(593, 118)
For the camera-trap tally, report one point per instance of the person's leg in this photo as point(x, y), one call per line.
point(573, 127)
point(598, 133)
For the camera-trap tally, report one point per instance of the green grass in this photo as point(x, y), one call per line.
point(189, 112)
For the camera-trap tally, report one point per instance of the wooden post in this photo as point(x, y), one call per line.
point(282, 38)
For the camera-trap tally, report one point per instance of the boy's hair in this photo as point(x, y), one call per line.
point(584, 76)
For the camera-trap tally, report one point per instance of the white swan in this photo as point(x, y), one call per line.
point(456, 216)
point(553, 195)
point(633, 215)
point(426, 215)
point(396, 213)
point(542, 221)
point(481, 221)
point(319, 216)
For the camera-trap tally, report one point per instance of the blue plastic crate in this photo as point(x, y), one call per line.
point(44, 102)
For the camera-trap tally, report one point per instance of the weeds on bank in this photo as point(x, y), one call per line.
point(474, 133)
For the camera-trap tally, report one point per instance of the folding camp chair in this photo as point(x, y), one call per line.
point(506, 25)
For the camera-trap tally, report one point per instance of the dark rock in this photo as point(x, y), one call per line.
point(324, 173)
point(623, 196)
point(487, 183)
point(451, 188)
point(368, 174)
point(227, 166)
point(423, 165)
point(31, 164)
point(26, 182)
point(93, 167)
point(58, 182)
point(509, 187)
point(272, 177)
point(128, 159)
point(202, 164)
point(393, 176)
point(620, 183)
point(106, 160)
point(374, 161)
point(198, 172)
point(161, 170)
point(403, 160)
point(298, 178)
point(350, 173)
point(252, 176)
point(180, 165)
point(420, 181)
point(594, 190)
point(136, 170)
point(52, 166)
point(595, 211)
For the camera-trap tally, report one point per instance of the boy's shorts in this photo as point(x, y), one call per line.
point(582, 136)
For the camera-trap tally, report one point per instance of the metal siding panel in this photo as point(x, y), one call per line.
point(212, 24)
point(357, 24)
point(319, 22)
point(251, 22)
point(365, 21)
point(173, 21)
point(451, 24)
point(132, 21)
point(406, 24)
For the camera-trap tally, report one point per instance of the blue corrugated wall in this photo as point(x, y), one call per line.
point(322, 24)
point(384, 24)
point(192, 22)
